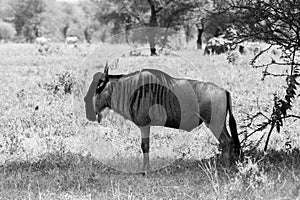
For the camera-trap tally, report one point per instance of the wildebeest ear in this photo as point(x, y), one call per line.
point(97, 76)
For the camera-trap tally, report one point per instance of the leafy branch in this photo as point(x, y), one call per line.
point(276, 23)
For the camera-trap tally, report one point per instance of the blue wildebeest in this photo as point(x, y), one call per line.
point(153, 98)
point(72, 40)
point(222, 43)
point(217, 45)
point(42, 41)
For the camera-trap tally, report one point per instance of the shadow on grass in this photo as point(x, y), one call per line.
point(72, 161)
point(68, 172)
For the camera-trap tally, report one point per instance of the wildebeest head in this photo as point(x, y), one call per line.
point(96, 99)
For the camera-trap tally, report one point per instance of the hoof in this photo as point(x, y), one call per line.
point(146, 170)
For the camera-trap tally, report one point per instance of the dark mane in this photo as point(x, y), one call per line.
point(159, 74)
point(118, 76)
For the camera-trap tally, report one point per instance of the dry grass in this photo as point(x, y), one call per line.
point(48, 149)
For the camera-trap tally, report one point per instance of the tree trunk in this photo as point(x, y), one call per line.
point(151, 32)
point(127, 29)
point(199, 38)
point(187, 31)
point(128, 22)
point(36, 31)
point(87, 35)
point(65, 30)
point(200, 28)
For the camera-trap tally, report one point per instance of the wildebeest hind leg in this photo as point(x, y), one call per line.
point(224, 140)
point(145, 145)
point(225, 144)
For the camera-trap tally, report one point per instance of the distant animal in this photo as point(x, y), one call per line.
point(43, 45)
point(276, 50)
point(223, 43)
point(231, 34)
point(153, 98)
point(249, 47)
point(242, 49)
point(72, 40)
point(42, 40)
point(216, 45)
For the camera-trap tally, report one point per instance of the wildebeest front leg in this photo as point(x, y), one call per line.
point(145, 145)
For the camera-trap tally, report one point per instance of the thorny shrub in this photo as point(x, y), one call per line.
point(67, 82)
point(274, 23)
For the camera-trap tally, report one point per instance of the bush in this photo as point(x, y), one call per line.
point(67, 82)
point(7, 31)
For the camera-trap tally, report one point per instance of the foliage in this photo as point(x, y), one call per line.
point(121, 14)
point(36, 18)
point(91, 24)
point(151, 13)
point(7, 31)
point(33, 18)
point(73, 21)
point(213, 17)
point(176, 13)
point(277, 24)
point(27, 17)
point(51, 21)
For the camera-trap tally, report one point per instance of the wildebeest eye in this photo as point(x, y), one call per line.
point(100, 83)
point(100, 86)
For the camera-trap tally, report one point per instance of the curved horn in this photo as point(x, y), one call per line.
point(106, 72)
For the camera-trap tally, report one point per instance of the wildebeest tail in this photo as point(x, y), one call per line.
point(232, 124)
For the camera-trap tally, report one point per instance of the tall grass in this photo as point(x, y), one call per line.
point(48, 150)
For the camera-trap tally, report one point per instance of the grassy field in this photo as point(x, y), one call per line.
point(48, 150)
